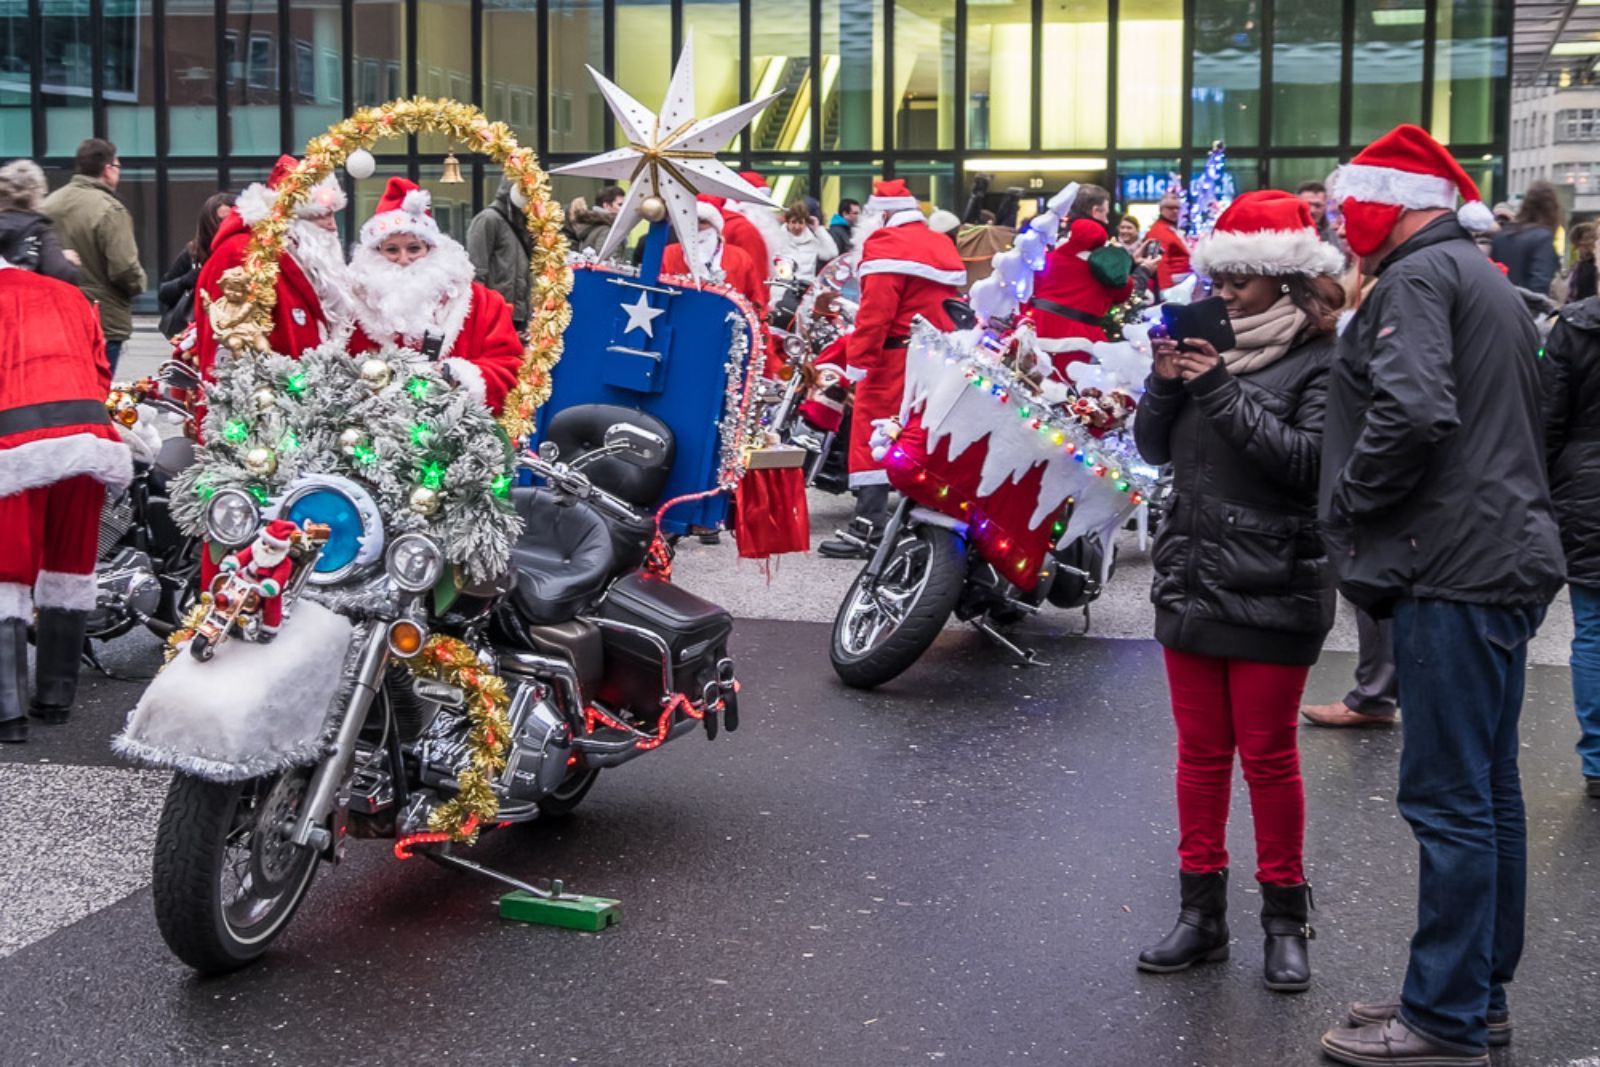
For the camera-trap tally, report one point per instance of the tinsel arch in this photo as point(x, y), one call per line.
point(465, 125)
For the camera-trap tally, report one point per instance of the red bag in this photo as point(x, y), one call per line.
point(770, 514)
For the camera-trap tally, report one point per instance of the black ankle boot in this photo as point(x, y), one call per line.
point(1284, 916)
point(1201, 933)
point(59, 634)
point(13, 680)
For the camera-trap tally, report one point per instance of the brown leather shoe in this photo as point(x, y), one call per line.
point(1366, 1013)
point(1339, 715)
point(1393, 1042)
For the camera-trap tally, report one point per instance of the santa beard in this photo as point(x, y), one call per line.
point(321, 257)
point(708, 249)
point(431, 295)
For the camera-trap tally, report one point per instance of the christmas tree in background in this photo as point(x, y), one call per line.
point(1210, 193)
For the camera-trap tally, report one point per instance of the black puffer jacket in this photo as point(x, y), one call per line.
point(1572, 434)
point(28, 240)
point(1240, 568)
point(1433, 475)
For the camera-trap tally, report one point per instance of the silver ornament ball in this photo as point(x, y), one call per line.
point(424, 501)
point(350, 439)
point(261, 461)
point(263, 398)
point(375, 373)
point(360, 164)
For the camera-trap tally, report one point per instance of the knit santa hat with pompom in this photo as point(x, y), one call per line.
point(255, 203)
point(1407, 168)
point(1269, 232)
point(403, 208)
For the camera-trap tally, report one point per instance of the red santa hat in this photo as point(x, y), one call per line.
point(405, 207)
point(1268, 232)
point(891, 196)
point(754, 179)
point(709, 209)
point(255, 203)
point(278, 533)
point(1407, 168)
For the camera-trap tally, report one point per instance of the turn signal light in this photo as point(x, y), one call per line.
point(786, 372)
point(406, 638)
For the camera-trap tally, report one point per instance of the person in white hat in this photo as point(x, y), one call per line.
point(413, 287)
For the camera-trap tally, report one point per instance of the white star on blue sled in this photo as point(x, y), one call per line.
point(640, 316)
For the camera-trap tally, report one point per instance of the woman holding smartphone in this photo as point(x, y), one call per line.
point(1243, 588)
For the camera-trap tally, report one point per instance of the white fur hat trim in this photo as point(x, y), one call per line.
point(1266, 252)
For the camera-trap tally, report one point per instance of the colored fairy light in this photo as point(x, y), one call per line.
point(432, 475)
point(1057, 437)
point(1024, 412)
point(417, 387)
point(421, 436)
point(289, 442)
point(1058, 529)
point(1123, 487)
point(944, 491)
point(501, 486)
point(364, 454)
point(260, 493)
point(235, 431)
point(295, 383)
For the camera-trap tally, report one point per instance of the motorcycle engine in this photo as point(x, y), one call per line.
point(536, 764)
point(127, 589)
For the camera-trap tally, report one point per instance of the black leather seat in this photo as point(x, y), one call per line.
point(582, 428)
point(563, 559)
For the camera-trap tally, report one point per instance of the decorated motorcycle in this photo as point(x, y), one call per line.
point(403, 643)
point(808, 405)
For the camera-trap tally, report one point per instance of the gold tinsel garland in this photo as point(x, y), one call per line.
point(191, 620)
point(446, 659)
point(552, 278)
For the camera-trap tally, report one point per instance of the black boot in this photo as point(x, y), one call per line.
point(1202, 930)
point(1284, 911)
point(13, 679)
point(59, 634)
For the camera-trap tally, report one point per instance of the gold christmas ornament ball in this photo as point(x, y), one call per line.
point(261, 461)
point(350, 439)
point(653, 209)
point(375, 373)
point(263, 398)
point(424, 501)
point(360, 164)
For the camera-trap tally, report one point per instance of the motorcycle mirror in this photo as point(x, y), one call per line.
point(793, 347)
point(961, 313)
point(782, 269)
point(636, 444)
point(178, 376)
point(549, 451)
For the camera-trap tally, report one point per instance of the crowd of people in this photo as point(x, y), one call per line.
point(1385, 373)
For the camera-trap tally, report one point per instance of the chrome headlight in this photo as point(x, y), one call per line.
point(355, 540)
point(414, 562)
point(232, 518)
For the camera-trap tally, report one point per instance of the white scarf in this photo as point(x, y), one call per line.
point(1260, 340)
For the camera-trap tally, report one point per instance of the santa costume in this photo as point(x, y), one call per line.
point(720, 258)
point(312, 303)
point(1174, 264)
point(1069, 301)
point(906, 270)
point(431, 305)
point(741, 233)
point(58, 454)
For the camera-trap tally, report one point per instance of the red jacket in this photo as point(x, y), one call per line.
point(485, 354)
point(54, 378)
point(906, 270)
point(297, 319)
point(1068, 281)
point(739, 232)
point(737, 268)
point(1174, 253)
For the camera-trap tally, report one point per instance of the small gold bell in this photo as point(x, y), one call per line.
point(452, 171)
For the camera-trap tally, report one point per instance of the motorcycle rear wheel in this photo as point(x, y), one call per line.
point(225, 881)
point(879, 633)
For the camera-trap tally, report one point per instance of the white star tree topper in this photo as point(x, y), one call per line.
point(671, 155)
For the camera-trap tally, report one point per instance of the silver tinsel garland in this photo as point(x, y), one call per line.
point(432, 456)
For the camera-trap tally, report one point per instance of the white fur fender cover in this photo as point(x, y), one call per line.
point(253, 709)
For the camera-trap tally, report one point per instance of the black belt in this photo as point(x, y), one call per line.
point(897, 342)
point(1065, 312)
point(49, 415)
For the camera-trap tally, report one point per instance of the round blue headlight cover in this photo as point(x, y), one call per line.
point(340, 514)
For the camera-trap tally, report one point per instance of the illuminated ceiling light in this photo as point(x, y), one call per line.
point(1038, 164)
point(1406, 16)
point(1576, 48)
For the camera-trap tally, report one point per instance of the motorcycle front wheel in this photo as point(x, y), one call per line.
point(882, 630)
point(226, 879)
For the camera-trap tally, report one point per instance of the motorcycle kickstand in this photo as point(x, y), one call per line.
point(1028, 658)
point(528, 903)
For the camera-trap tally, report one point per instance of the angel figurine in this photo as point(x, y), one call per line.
point(233, 317)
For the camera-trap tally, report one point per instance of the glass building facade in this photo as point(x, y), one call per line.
point(204, 94)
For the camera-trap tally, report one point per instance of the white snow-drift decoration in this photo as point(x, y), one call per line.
point(953, 410)
point(1061, 203)
point(1033, 247)
point(252, 709)
point(991, 299)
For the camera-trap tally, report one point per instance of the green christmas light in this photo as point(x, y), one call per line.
point(206, 491)
point(289, 442)
point(1123, 487)
point(501, 486)
point(421, 436)
point(236, 431)
point(364, 454)
point(295, 383)
point(260, 493)
point(432, 475)
point(417, 387)
point(1058, 529)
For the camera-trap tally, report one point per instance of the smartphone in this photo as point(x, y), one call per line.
point(1206, 319)
point(1151, 248)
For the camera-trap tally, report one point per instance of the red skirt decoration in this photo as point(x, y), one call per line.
point(770, 514)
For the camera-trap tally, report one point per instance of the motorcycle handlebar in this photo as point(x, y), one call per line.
point(577, 484)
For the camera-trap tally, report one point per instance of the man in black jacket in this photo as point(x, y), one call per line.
point(1438, 514)
point(1572, 435)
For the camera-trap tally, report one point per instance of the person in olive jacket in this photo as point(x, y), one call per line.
point(1243, 588)
point(500, 247)
point(1572, 439)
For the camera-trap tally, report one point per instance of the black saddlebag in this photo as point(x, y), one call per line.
point(694, 630)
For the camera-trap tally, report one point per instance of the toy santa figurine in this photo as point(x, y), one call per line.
point(1083, 278)
point(312, 291)
point(266, 563)
point(413, 286)
point(906, 270)
point(58, 454)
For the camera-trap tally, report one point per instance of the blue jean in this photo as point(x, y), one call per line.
point(1586, 673)
point(113, 353)
point(1462, 669)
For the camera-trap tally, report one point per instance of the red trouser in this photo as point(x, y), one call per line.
point(1224, 705)
point(50, 537)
